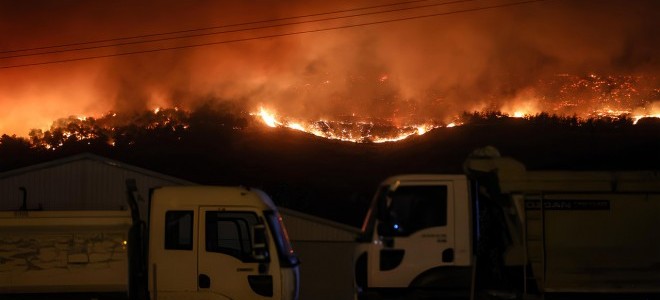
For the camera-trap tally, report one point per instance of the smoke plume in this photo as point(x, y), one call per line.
point(422, 68)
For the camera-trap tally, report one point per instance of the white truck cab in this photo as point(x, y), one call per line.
point(409, 211)
point(501, 231)
point(218, 243)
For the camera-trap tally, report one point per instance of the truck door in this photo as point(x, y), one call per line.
point(415, 233)
point(172, 254)
point(227, 264)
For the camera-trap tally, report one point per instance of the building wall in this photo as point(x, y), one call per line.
point(326, 270)
point(325, 249)
point(304, 227)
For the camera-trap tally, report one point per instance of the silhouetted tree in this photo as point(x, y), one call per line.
point(14, 151)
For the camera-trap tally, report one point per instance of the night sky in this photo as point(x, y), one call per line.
point(424, 67)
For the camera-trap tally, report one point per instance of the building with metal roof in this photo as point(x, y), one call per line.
point(80, 182)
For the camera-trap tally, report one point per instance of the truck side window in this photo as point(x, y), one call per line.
point(230, 233)
point(179, 230)
point(413, 208)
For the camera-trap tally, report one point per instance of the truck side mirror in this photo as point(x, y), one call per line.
point(260, 243)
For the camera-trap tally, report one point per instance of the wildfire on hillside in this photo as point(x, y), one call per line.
point(590, 97)
point(361, 131)
point(585, 97)
point(350, 129)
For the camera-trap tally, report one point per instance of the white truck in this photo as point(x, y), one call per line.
point(501, 231)
point(201, 242)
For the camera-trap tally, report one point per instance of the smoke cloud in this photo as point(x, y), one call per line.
point(425, 68)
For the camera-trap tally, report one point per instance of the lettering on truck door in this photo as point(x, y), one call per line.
point(415, 226)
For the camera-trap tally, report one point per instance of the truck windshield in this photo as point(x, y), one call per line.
point(281, 237)
point(409, 209)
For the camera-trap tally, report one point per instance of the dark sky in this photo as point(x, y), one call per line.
point(424, 68)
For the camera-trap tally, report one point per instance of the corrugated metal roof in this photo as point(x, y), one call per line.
point(80, 182)
point(91, 157)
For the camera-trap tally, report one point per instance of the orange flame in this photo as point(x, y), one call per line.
point(359, 131)
point(268, 118)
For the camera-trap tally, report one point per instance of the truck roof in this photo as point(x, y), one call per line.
point(423, 177)
point(186, 196)
point(514, 177)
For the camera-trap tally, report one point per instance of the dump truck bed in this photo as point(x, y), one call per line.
point(63, 251)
